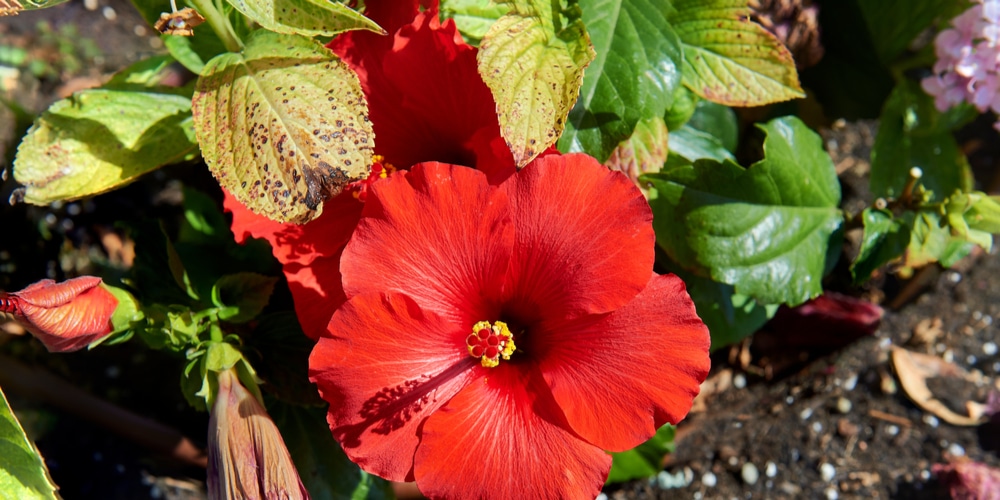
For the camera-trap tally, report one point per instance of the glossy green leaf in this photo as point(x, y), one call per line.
point(22, 470)
point(910, 135)
point(769, 230)
point(242, 296)
point(101, 139)
point(324, 469)
point(283, 126)
point(893, 24)
point(473, 17)
point(885, 239)
point(532, 59)
point(718, 121)
point(692, 145)
point(304, 17)
point(644, 152)
point(685, 102)
point(634, 75)
point(127, 311)
point(729, 59)
point(644, 460)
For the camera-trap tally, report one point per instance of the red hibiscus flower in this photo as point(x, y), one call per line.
point(65, 316)
point(498, 340)
point(426, 101)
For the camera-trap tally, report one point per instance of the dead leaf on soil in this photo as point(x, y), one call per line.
point(913, 369)
point(716, 384)
point(927, 331)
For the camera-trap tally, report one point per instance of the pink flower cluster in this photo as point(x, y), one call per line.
point(968, 60)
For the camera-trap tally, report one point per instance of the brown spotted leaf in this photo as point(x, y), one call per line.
point(532, 59)
point(283, 125)
point(644, 152)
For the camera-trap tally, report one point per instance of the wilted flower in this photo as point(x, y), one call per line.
point(247, 459)
point(497, 340)
point(65, 316)
point(968, 60)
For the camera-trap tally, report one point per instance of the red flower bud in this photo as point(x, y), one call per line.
point(65, 316)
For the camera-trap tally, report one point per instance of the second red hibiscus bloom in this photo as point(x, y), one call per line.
point(498, 340)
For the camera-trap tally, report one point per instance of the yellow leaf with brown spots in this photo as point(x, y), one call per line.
point(283, 125)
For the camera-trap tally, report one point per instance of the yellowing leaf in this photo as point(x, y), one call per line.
point(532, 59)
point(101, 139)
point(644, 152)
point(304, 17)
point(283, 126)
point(731, 60)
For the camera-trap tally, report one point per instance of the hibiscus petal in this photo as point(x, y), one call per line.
point(439, 234)
point(619, 377)
point(387, 366)
point(317, 292)
point(426, 99)
point(506, 438)
point(66, 316)
point(584, 238)
point(324, 236)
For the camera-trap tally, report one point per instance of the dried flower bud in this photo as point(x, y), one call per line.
point(795, 23)
point(247, 459)
point(65, 316)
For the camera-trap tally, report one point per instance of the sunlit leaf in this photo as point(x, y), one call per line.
point(22, 470)
point(730, 59)
point(634, 75)
point(769, 230)
point(283, 126)
point(473, 17)
point(101, 139)
point(532, 59)
point(692, 145)
point(242, 296)
point(304, 17)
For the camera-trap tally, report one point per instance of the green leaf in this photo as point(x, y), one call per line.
point(242, 296)
point(717, 120)
point(22, 471)
point(203, 220)
point(634, 75)
point(685, 102)
point(913, 134)
point(770, 230)
point(283, 126)
point(729, 59)
point(931, 241)
point(324, 469)
point(279, 351)
point(532, 59)
point(38, 4)
point(644, 152)
point(473, 17)
point(692, 145)
point(100, 139)
point(885, 239)
point(127, 312)
point(645, 460)
point(893, 24)
point(304, 17)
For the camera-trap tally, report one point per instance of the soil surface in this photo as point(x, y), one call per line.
point(817, 415)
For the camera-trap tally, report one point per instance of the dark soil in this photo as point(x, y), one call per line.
point(823, 420)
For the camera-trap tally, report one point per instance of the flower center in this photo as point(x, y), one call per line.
point(380, 170)
point(489, 342)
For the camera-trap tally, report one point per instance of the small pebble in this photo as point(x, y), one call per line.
point(666, 480)
point(697, 495)
point(827, 471)
point(789, 399)
point(956, 450)
point(750, 474)
point(987, 320)
point(709, 480)
point(844, 405)
point(733, 461)
point(817, 427)
point(931, 420)
point(770, 470)
point(831, 493)
point(851, 382)
point(892, 430)
point(601, 496)
point(739, 381)
point(109, 13)
point(90, 4)
point(970, 359)
point(990, 348)
point(954, 277)
point(805, 414)
point(925, 474)
point(976, 315)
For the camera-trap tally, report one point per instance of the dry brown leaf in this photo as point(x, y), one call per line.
point(913, 369)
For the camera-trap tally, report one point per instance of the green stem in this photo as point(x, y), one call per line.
point(219, 23)
point(215, 331)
